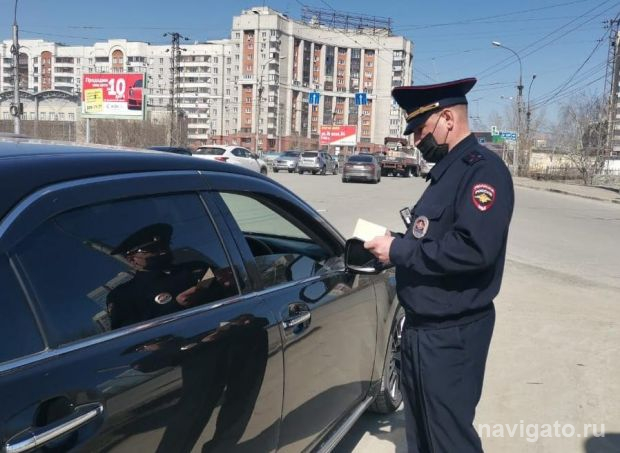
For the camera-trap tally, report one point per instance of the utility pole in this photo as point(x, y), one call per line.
point(175, 58)
point(611, 84)
point(16, 107)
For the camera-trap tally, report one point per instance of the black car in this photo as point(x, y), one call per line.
point(172, 149)
point(155, 302)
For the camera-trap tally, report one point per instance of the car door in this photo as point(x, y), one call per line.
point(148, 334)
point(328, 317)
point(243, 158)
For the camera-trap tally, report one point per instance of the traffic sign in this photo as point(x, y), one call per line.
point(494, 130)
point(314, 98)
point(508, 135)
point(361, 98)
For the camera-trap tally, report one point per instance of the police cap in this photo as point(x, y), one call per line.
point(149, 236)
point(421, 101)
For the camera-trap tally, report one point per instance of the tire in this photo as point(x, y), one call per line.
point(291, 171)
point(275, 170)
point(301, 172)
point(390, 397)
point(345, 180)
point(314, 172)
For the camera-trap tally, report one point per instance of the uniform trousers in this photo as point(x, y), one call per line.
point(442, 376)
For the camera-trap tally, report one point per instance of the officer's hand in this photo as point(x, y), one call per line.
point(380, 247)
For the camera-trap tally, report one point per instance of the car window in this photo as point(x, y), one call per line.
point(239, 152)
point(284, 249)
point(210, 151)
point(290, 154)
point(19, 333)
point(360, 159)
point(309, 154)
point(125, 262)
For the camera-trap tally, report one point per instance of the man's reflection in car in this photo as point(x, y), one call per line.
point(224, 367)
point(160, 286)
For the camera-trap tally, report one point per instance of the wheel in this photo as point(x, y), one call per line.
point(345, 180)
point(314, 172)
point(275, 170)
point(291, 171)
point(301, 172)
point(389, 397)
point(263, 171)
point(258, 247)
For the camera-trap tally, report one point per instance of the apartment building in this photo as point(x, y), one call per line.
point(285, 60)
point(250, 89)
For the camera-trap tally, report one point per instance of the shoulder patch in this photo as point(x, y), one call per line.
point(483, 196)
point(473, 157)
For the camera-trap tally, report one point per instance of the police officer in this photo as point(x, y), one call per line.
point(160, 286)
point(449, 265)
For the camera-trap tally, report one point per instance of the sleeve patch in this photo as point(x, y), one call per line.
point(483, 196)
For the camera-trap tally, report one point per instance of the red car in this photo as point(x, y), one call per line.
point(134, 101)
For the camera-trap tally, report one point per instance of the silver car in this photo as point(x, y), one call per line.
point(286, 161)
point(361, 167)
point(317, 162)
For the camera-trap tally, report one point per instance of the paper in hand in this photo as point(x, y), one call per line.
point(366, 230)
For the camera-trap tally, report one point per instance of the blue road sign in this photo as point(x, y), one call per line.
point(508, 135)
point(361, 98)
point(314, 98)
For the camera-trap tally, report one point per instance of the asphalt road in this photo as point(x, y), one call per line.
point(555, 354)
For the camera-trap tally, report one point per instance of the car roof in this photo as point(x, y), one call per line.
point(28, 165)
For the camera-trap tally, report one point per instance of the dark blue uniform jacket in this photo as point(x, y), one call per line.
point(452, 266)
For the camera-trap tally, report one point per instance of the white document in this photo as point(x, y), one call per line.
point(366, 230)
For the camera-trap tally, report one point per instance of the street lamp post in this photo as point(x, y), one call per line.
point(515, 154)
point(528, 115)
point(16, 107)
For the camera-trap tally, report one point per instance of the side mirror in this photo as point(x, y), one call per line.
point(358, 260)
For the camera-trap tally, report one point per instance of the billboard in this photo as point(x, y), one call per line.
point(339, 135)
point(116, 95)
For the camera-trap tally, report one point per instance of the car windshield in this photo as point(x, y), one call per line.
point(360, 159)
point(310, 154)
point(210, 151)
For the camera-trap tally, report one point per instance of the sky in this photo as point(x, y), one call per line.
point(564, 43)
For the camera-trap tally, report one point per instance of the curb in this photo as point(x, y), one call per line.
point(564, 192)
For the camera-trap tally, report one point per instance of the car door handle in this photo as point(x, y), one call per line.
point(296, 320)
point(35, 438)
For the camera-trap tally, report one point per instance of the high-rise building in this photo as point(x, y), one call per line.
point(250, 89)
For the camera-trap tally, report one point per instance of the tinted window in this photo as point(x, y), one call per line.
point(284, 248)
point(121, 263)
point(210, 151)
point(290, 154)
point(309, 154)
point(18, 331)
point(360, 159)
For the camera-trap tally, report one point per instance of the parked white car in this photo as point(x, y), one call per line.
point(235, 155)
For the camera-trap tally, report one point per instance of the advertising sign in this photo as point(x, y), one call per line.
point(113, 95)
point(339, 135)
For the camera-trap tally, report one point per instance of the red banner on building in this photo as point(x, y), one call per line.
point(339, 135)
point(113, 95)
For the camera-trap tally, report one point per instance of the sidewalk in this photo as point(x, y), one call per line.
point(577, 190)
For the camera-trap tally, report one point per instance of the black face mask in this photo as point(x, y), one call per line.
point(431, 151)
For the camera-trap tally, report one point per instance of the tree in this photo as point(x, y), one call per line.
point(582, 133)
